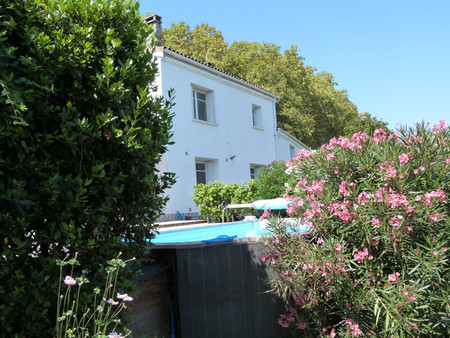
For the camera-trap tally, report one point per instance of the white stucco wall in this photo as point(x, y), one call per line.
point(231, 134)
point(287, 145)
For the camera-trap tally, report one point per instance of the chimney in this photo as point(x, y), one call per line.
point(155, 21)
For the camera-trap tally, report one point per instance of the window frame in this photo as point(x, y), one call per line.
point(207, 103)
point(256, 168)
point(257, 120)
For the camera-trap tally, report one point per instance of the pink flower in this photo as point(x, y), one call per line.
point(391, 171)
point(437, 193)
point(440, 125)
point(264, 258)
point(363, 197)
point(355, 330)
point(343, 188)
point(69, 281)
point(376, 222)
point(302, 326)
point(393, 277)
point(115, 335)
point(330, 156)
point(124, 297)
point(403, 158)
point(359, 256)
point(112, 302)
point(338, 247)
point(319, 241)
point(265, 215)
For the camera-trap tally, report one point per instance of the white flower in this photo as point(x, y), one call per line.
point(124, 297)
point(69, 281)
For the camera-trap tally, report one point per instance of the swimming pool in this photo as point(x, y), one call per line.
point(210, 232)
point(219, 290)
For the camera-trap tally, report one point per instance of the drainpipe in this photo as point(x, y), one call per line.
point(275, 131)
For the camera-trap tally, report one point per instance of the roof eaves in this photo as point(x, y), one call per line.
point(209, 65)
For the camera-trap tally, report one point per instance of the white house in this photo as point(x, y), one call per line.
point(224, 128)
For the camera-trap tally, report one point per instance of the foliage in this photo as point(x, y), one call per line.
point(310, 106)
point(80, 137)
point(103, 314)
point(378, 261)
point(367, 124)
point(212, 198)
point(270, 181)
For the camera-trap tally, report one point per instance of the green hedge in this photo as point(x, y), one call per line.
point(211, 198)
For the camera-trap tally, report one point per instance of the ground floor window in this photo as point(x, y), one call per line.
point(254, 169)
point(200, 169)
point(205, 170)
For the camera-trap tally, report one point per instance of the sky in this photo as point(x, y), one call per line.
point(391, 56)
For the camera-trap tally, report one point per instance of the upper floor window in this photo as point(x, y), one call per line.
point(203, 104)
point(257, 116)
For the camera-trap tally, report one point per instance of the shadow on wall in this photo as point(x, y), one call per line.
point(218, 290)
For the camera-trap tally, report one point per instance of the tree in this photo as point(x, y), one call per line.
point(310, 106)
point(79, 140)
point(367, 124)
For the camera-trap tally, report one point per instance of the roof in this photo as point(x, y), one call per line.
point(217, 71)
point(291, 137)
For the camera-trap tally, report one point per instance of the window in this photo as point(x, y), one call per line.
point(257, 116)
point(204, 170)
point(291, 151)
point(203, 104)
point(254, 170)
point(200, 169)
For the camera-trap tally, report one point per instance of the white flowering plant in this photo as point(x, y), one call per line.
point(102, 319)
point(377, 261)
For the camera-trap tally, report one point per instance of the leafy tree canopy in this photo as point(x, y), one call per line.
point(310, 106)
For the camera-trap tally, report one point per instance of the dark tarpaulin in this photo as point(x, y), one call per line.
point(221, 292)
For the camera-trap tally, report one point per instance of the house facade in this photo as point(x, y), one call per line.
point(224, 128)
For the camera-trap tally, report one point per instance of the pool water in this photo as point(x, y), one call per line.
point(208, 232)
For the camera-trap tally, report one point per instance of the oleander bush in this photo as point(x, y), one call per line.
point(377, 263)
point(80, 137)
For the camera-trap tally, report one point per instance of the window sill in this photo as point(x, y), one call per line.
point(205, 122)
point(258, 128)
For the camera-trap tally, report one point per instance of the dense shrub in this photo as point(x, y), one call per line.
point(212, 198)
point(79, 140)
point(270, 181)
point(378, 261)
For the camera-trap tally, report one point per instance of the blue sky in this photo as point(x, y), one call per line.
point(393, 57)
